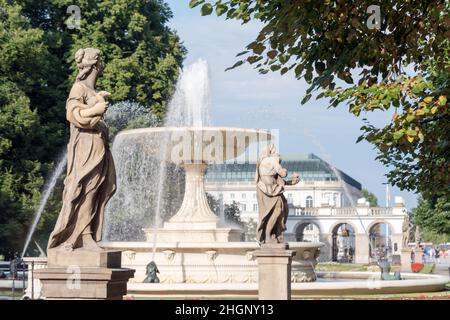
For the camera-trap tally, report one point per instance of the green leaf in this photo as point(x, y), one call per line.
point(194, 3)
point(442, 100)
point(275, 67)
point(207, 9)
point(221, 9)
point(242, 53)
point(398, 134)
point(428, 99)
point(306, 98)
point(237, 64)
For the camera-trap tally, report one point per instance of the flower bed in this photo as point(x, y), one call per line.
point(422, 268)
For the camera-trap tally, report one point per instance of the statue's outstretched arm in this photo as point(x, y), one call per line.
point(294, 181)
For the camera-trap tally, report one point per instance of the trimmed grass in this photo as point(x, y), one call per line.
point(327, 266)
point(442, 295)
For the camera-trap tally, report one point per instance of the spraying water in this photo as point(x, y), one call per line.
point(48, 190)
point(136, 205)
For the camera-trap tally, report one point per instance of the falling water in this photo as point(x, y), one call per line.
point(48, 190)
point(150, 189)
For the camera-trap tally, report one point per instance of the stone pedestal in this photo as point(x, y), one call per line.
point(406, 260)
point(84, 274)
point(274, 271)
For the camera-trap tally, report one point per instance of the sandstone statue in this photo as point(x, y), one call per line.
point(91, 177)
point(418, 237)
point(273, 206)
point(406, 228)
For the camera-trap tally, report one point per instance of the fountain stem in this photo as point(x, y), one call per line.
point(195, 207)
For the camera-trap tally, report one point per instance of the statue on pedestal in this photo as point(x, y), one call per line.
point(272, 204)
point(417, 237)
point(406, 228)
point(91, 177)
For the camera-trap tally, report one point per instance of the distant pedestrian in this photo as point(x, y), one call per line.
point(431, 254)
point(438, 256)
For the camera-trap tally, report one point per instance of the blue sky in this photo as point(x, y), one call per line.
point(244, 98)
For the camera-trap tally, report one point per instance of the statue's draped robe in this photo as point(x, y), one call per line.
point(273, 206)
point(91, 177)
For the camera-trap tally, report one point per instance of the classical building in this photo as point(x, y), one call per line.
point(320, 185)
point(326, 206)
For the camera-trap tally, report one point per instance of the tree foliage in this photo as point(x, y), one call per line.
point(402, 65)
point(142, 59)
point(231, 212)
point(433, 218)
point(370, 197)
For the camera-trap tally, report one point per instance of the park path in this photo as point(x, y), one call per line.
point(442, 268)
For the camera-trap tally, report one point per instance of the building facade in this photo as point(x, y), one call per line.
point(326, 206)
point(320, 185)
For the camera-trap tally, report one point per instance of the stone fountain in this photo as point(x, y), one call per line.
point(194, 245)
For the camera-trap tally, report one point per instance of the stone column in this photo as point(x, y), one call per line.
point(274, 271)
point(33, 284)
point(406, 260)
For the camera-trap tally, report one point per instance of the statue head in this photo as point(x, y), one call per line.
point(152, 268)
point(268, 151)
point(87, 61)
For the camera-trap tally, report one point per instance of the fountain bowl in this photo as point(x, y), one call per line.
point(196, 144)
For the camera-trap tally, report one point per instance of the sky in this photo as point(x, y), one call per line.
point(244, 98)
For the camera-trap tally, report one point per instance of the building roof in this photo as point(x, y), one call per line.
point(309, 166)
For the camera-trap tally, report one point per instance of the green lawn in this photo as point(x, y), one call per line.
point(329, 266)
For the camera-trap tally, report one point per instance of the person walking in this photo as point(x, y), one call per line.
point(431, 254)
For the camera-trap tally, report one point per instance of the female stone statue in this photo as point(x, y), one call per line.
point(91, 178)
point(406, 228)
point(273, 206)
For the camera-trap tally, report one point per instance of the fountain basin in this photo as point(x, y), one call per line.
point(210, 262)
point(195, 144)
point(344, 284)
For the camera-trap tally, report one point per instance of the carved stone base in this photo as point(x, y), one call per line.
point(84, 283)
point(84, 274)
point(84, 258)
point(274, 271)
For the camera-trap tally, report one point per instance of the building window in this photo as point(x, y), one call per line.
point(244, 207)
point(231, 195)
point(254, 195)
point(335, 199)
point(243, 195)
point(309, 202)
point(255, 207)
point(326, 199)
